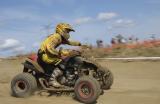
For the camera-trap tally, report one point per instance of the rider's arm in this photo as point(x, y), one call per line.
point(50, 47)
point(51, 50)
point(74, 43)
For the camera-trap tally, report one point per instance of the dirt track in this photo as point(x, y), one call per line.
point(135, 83)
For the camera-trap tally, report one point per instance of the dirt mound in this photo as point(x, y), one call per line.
point(122, 51)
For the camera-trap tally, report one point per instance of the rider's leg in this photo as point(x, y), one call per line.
point(53, 61)
point(53, 79)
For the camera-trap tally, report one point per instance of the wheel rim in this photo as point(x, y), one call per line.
point(85, 90)
point(21, 86)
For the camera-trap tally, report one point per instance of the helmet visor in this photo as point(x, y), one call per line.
point(69, 30)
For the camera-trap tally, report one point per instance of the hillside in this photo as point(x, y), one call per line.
point(146, 48)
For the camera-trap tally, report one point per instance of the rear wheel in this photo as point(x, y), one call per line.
point(23, 85)
point(87, 90)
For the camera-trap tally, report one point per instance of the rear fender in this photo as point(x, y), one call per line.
point(29, 64)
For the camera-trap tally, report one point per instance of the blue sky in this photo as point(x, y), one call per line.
point(23, 23)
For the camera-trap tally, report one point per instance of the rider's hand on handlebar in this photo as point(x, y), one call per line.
point(64, 53)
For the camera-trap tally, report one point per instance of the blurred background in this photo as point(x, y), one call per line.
point(111, 27)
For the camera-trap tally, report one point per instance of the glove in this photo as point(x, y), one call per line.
point(64, 54)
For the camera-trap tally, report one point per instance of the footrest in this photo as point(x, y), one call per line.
point(65, 88)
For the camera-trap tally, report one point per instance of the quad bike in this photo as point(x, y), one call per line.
point(83, 76)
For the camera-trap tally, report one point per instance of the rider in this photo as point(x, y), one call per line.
point(48, 53)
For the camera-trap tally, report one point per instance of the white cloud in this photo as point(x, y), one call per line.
point(19, 49)
point(122, 23)
point(103, 16)
point(11, 45)
point(83, 20)
point(106, 15)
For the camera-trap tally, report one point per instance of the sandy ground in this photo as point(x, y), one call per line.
point(135, 83)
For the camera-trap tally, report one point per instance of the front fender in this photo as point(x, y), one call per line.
point(92, 62)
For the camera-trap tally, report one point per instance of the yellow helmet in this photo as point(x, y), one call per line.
point(63, 29)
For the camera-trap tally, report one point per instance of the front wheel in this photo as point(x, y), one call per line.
point(107, 79)
point(86, 90)
point(23, 85)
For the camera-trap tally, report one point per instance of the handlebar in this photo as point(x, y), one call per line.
point(72, 52)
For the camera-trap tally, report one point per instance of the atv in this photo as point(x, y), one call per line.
point(82, 75)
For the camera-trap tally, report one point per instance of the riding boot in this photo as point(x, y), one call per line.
point(53, 80)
